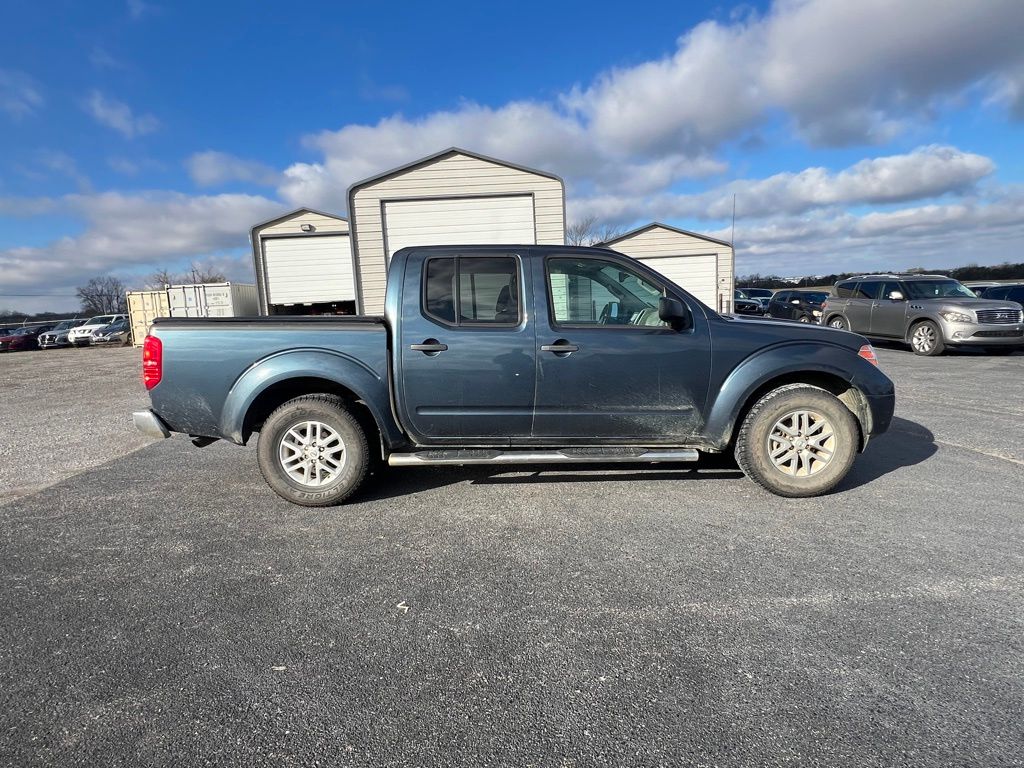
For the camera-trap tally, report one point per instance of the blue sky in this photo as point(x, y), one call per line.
point(855, 135)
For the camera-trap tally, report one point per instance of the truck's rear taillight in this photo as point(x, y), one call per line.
point(152, 361)
point(868, 353)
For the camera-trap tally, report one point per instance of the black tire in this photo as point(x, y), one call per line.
point(328, 410)
point(804, 319)
point(934, 346)
point(1001, 351)
point(839, 323)
point(752, 443)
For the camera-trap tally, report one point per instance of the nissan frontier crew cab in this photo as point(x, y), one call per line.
point(518, 355)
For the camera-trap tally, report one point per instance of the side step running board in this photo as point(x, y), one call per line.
point(557, 456)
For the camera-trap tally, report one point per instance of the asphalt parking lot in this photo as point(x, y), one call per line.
point(161, 606)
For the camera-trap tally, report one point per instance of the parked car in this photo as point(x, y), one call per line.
point(116, 333)
point(742, 305)
point(1006, 292)
point(58, 335)
point(23, 338)
point(980, 287)
point(761, 295)
point(802, 306)
point(8, 330)
point(516, 355)
point(82, 335)
point(928, 312)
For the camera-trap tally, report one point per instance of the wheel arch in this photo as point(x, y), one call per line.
point(782, 366)
point(273, 381)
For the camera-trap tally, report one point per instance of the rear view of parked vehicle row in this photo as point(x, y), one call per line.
point(928, 312)
point(507, 355)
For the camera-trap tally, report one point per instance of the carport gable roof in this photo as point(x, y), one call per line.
point(290, 214)
point(658, 224)
point(439, 156)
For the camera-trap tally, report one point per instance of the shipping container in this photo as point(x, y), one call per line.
point(143, 307)
point(213, 300)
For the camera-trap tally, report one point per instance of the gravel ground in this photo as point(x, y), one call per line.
point(64, 411)
point(167, 608)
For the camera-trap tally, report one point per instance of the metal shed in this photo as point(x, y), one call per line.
point(454, 197)
point(704, 266)
point(303, 263)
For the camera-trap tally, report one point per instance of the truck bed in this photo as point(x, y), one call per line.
point(210, 363)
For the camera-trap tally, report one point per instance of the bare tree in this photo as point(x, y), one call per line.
point(196, 273)
point(162, 277)
point(102, 295)
point(201, 274)
point(587, 231)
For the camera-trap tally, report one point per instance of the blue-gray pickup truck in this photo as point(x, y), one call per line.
point(518, 355)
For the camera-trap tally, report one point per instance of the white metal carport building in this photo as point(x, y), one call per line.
point(303, 263)
point(704, 266)
point(454, 197)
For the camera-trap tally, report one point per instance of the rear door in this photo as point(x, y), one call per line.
point(467, 357)
point(889, 310)
point(779, 305)
point(858, 307)
point(608, 369)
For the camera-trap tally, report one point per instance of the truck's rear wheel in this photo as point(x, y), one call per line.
point(312, 451)
point(797, 440)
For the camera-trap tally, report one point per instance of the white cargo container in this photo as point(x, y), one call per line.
point(143, 308)
point(213, 300)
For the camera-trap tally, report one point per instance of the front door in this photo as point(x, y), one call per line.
point(467, 360)
point(608, 369)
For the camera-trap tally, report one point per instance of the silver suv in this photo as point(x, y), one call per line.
point(928, 312)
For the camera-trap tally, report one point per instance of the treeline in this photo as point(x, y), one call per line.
point(1005, 271)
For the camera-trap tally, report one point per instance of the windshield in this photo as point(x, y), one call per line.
point(740, 294)
point(24, 331)
point(938, 289)
point(101, 320)
point(758, 293)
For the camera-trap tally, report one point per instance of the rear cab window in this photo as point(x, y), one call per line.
point(473, 291)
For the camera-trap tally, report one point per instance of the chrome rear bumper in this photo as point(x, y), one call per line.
point(149, 424)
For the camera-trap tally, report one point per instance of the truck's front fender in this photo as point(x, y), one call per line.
point(332, 366)
point(785, 363)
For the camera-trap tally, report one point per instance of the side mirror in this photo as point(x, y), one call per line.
point(674, 312)
point(895, 295)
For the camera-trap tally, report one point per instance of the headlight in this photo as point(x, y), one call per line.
point(956, 317)
point(816, 312)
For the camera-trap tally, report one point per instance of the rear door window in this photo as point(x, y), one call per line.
point(468, 290)
point(845, 290)
point(868, 289)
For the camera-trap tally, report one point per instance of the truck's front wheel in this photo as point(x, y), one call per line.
point(797, 440)
point(312, 451)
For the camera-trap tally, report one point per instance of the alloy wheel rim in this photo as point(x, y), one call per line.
point(837, 323)
point(312, 454)
point(924, 339)
point(801, 443)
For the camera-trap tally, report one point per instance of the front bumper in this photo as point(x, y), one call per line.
point(983, 334)
point(149, 424)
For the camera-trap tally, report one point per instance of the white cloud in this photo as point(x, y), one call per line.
point(211, 168)
point(119, 116)
point(926, 172)
point(130, 234)
point(20, 96)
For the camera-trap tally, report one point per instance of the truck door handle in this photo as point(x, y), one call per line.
point(429, 347)
point(561, 347)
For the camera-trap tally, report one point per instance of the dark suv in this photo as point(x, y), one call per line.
point(928, 312)
point(802, 306)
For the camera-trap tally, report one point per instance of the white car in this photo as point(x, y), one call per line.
point(82, 335)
